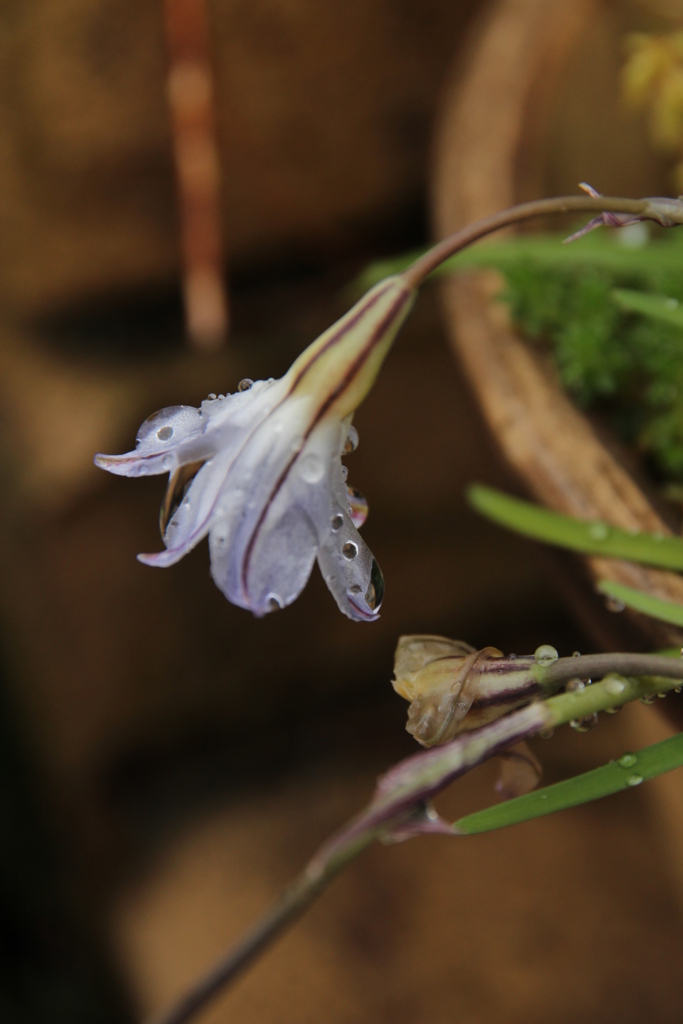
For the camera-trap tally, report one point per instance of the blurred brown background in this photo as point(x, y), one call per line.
point(169, 762)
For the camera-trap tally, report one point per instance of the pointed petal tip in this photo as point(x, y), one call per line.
point(163, 559)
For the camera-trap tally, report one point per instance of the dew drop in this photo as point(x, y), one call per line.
point(244, 385)
point(662, 695)
point(311, 468)
point(336, 522)
point(351, 442)
point(575, 685)
point(350, 550)
point(164, 433)
point(358, 506)
point(612, 604)
point(628, 760)
point(274, 602)
point(344, 473)
point(545, 655)
point(375, 592)
point(355, 589)
point(647, 700)
point(677, 689)
point(576, 654)
point(212, 397)
point(635, 780)
point(547, 734)
point(585, 724)
point(598, 531)
point(512, 657)
point(615, 686)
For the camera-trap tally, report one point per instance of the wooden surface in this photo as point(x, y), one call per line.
point(494, 120)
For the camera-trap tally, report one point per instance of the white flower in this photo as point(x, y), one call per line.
point(260, 471)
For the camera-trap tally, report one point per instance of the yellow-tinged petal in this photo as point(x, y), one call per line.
point(340, 367)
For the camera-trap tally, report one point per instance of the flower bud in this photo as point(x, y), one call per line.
point(452, 687)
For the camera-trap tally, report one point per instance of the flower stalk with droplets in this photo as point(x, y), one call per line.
point(401, 805)
point(259, 472)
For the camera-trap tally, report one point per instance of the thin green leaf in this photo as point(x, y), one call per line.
point(590, 538)
point(666, 611)
point(630, 770)
point(656, 307)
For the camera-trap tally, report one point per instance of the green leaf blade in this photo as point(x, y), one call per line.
point(589, 538)
point(655, 607)
point(626, 773)
point(656, 307)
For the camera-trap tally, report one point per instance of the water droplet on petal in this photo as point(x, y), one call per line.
point(375, 592)
point(212, 397)
point(635, 780)
point(311, 468)
point(165, 433)
point(351, 442)
point(350, 550)
point(545, 655)
point(598, 531)
point(358, 506)
point(576, 654)
point(336, 522)
point(628, 760)
point(344, 473)
point(244, 385)
point(274, 602)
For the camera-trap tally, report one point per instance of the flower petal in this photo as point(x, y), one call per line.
point(279, 567)
point(159, 440)
point(350, 571)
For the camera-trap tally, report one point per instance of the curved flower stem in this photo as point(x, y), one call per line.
point(284, 912)
point(667, 212)
point(398, 807)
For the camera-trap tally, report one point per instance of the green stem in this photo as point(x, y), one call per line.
point(292, 903)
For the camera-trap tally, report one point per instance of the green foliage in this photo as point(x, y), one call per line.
point(618, 347)
point(607, 309)
point(590, 538)
point(655, 607)
point(630, 770)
